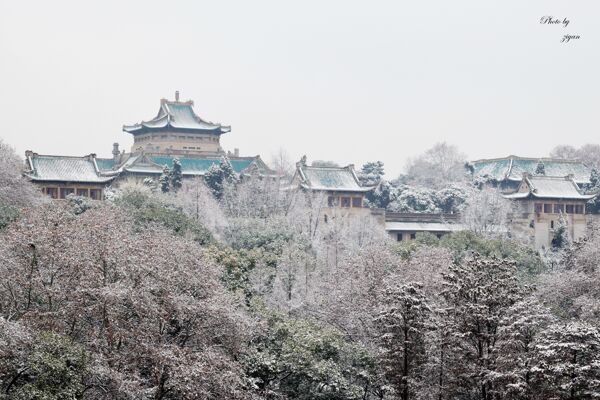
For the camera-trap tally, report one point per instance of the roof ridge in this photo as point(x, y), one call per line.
point(513, 157)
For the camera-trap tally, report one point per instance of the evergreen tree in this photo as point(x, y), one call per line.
point(560, 238)
point(176, 176)
point(220, 176)
point(164, 180)
point(214, 180)
point(371, 173)
point(569, 361)
point(540, 169)
point(517, 357)
point(402, 325)
point(593, 205)
point(594, 179)
point(480, 292)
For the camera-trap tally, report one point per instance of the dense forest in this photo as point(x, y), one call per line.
point(221, 288)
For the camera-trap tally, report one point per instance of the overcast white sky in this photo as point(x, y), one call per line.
point(349, 81)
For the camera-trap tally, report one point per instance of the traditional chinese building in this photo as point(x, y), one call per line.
point(59, 176)
point(507, 172)
point(541, 200)
point(406, 226)
point(175, 132)
point(340, 184)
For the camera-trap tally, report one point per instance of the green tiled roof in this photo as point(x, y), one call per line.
point(105, 164)
point(177, 115)
point(330, 178)
point(512, 168)
point(199, 165)
point(63, 168)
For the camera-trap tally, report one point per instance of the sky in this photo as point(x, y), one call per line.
point(341, 80)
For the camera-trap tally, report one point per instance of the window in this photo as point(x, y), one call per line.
point(325, 218)
point(551, 224)
point(64, 192)
point(548, 208)
point(579, 209)
point(52, 192)
point(345, 201)
point(570, 208)
point(559, 208)
point(439, 235)
point(399, 237)
point(82, 192)
point(357, 202)
point(537, 207)
point(332, 201)
point(413, 236)
point(95, 194)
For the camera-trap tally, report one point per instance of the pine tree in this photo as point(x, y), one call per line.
point(176, 176)
point(515, 348)
point(164, 180)
point(479, 291)
point(569, 361)
point(214, 180)
point(371, 173)
point(560, 238)
point(540, 169)
point(228, 173)
point(594, 179)
point(220, 176)
point(402, 325)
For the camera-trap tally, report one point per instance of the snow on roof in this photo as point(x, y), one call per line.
point(177, 115)
point(423, 227)
point(197, 166)
point(551, 187)
point(341, 179)
point(65, 168)
point(149, 164)
point(513, 168)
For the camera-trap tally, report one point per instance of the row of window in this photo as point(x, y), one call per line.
point(548, 208)
point(196, 138)
point(412, 236)
point(62, 193)
point(344, 201)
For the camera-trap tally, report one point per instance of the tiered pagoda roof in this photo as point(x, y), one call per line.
point(177, 116)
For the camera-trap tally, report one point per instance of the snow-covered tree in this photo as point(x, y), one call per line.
point(220, 177)
point(566, 152)
point(402, 324)
point(371, 173)
point(282, 164)
point(451, 199)
point(439, 166)
point(146, 305)
point(176, 176)
point(479, 292)
point(568, 361)
point(15, 190)
point(414, 199)
point(560, 237)
point(487, 213)
point(515, 350)
point(540, 168)
point(164, 180)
